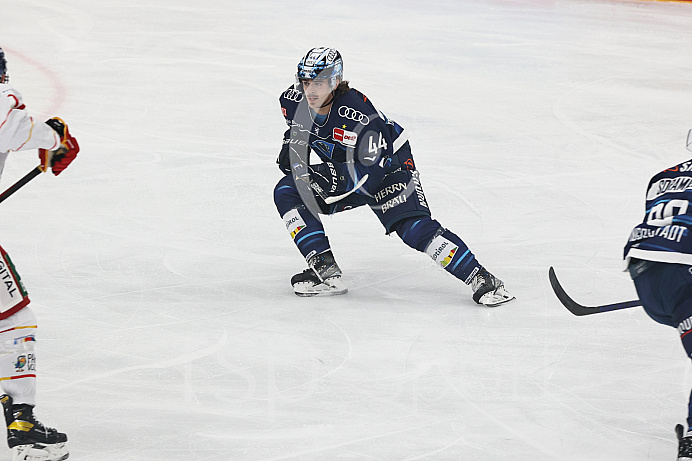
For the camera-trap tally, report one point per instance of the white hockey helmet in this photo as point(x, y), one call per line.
point(321, 64)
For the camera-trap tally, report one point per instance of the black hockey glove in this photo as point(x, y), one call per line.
point(327, 176)
point(283, 160)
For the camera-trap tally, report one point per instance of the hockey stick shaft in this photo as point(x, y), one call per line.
point(21, 183)
point(578, 309)
point(333, 199)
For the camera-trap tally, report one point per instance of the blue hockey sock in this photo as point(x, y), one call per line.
point(306, 231)
point(305, 228)
point(444, 247)
point(452, 254)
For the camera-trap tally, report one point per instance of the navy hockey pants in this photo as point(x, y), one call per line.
point(665, 291)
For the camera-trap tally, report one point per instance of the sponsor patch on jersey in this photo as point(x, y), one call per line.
point(324, 148)
point(20, 363)
point(685, 326)
point(24, 339)
point(26, 362)
point(442, 251)
point(669, 186)
point(12, 292)
point(348, 138)
point(294, 223)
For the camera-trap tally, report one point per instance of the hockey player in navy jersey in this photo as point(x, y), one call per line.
point(365, 160)
point(659, 259)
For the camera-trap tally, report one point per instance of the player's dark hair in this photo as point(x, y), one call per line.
point(4, 78)
point(341, 88)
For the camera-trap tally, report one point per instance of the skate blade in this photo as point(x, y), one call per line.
point(500, 296)
point(308, 289)
point(40, 452)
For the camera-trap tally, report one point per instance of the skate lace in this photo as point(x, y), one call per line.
point(481, 279)
point(324, 266)
point(44, 430)
point(25, 421)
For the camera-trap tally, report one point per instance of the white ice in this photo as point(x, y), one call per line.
point(159, 268)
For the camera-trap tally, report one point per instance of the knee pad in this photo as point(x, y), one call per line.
point(286, 195)
point(417, 232)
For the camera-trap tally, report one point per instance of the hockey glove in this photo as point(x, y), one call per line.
point(60, 158)
point(327, 176)
point(284, 159)
point(283, 162)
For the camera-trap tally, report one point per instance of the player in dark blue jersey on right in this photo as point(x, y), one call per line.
point(659, 259)
point(365, 160)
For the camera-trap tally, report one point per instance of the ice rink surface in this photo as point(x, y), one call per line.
point(159, 268)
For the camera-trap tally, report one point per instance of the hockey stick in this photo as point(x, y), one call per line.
point(333, 199)
point(21, 183)
point(578, 309)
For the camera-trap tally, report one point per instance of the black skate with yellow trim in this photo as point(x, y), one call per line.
point(28, 438)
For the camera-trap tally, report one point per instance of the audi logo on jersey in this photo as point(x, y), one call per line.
point(352, 114)
point(293, 95)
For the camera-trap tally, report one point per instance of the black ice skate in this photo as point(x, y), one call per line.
point(488, 289)
point(684, 444)
point(28, 438)
point(322, 278)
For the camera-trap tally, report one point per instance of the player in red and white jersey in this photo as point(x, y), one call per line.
point(27, 437)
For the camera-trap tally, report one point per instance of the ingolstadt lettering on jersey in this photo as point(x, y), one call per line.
point(664, 233)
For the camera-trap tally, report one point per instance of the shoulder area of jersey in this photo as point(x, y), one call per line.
point(11, 96)
point(291, 95)
point(354, 97)
point(354, 107)
point(683, 167)
point(6, 88)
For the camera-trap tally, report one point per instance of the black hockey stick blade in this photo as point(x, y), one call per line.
point(21, 183)
point(578, 309)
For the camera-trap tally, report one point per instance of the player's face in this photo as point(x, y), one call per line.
point(317, 92)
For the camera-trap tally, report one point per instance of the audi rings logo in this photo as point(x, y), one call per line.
point(354, 115)
point(293, 95)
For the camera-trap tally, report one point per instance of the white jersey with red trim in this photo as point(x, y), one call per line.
point(18, 129)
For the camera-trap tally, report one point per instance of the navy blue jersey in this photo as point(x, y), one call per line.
point(356, 137)
point(664, 234)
